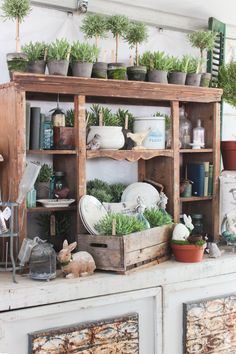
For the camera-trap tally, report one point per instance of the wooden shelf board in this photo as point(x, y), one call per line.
point(195, 199)
point(129, 155)
point(52, 152)
point(194, 151)
point(99, 88)
point(40, 209)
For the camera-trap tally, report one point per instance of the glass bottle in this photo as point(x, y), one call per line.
point(59, 183)
point(197, 220)
point(185, 129)
point(199, 135)
point(31, 198)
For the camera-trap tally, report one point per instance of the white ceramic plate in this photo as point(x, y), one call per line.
point(123, 208)
point(91, 211)
point(146, 191)
point(55, 203)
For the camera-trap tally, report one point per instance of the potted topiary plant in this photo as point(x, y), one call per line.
point(158, 65)
point(178, 71)
point(136, 34)
point(118, 25)
point(227, 81)
point(102, 122)
point(193, 72)
point(203, 40)
point(36, 53)
point(186, 248)
point(83, 55)
point(95, 26)
point(16, 10)
point(42, 184)
point(64, 137)
point(58, 57)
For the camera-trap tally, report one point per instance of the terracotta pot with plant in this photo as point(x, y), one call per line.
point(83, 55)
point(193, 72)
point(118, 26)
point(204, 41)
point(186, 248)
point(136, 34)
point(16, 10)
point(158, 65)
point(95, 26)
point(58, 57)
point(42, 184)
point(36, 53)
point(178, 71)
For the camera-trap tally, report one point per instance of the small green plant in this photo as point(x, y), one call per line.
point(227, 81)
point(84, 52)
point(105, 192)
point(118, 26)
point(180, 64)
point(95, 26)
point(70, 117)
point(45, 173)
point(157, 217)
point(167, 119)
point(109, 118)
point(59, 50)
point(16, 10)
point(121, 115)
point(124, 224)
point(35, 51)
point(156, 61)
point(136, 34)
point(198, 243)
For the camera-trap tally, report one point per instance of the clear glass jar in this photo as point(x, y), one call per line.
point(199, 135)
point(42, 263)
point(59, 182)
point(197, 220)
point(185, 129)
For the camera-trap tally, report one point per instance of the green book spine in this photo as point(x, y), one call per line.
point(41, 131)
point(27, 125)
point(210, 180)
point(206, 177)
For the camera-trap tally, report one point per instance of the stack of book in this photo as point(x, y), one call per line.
point(201, 174)
point(39, 131)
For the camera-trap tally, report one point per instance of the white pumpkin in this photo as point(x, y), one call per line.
point(180, 232)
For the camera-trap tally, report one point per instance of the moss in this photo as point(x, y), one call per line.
point(117, 74)
point(17, 64)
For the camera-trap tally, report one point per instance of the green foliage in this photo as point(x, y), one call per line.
point(17, 64)
point(167, 119)
point(124, 224)
point(118, 25)
point(109, 118)
point(136, 33)
point(45, 173)
point(35, 51)
point(94, 26)
point(121, 114)
point(59, 50)
point(16, 9)
point(198, 243)
point(180, 64)
point(70, 117)
point(204, 40)
point(62, 223)
point(105, 192)
point(84, 52)
point(227, 81)
point(156, 61)
point(157, 217)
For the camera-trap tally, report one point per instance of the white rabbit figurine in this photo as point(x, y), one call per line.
point(75, 265)
point(181, 232)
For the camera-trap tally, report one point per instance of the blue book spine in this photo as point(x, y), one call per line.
point(196, 174)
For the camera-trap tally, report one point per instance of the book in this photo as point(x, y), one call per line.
point(34, 127)
point(210, 180)
point(206, 177)
point(41, 131)
point(27, 125)
point(47, 134)
point(196, 174)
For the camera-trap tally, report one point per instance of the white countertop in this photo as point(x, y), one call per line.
point(27, 292)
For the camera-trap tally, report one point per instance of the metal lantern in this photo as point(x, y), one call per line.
point(42, 261)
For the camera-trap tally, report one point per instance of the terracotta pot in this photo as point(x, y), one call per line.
point(63, 138)
point(42, 190)
point(188, 253)
point(228, 150)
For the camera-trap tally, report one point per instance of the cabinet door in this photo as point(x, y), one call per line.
point(104, 318)
point(199, 316)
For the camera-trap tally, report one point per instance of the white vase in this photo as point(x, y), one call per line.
point(111, 137)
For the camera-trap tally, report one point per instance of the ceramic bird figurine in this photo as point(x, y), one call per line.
point(138, 138)
point(140, 210)
point(95, 143)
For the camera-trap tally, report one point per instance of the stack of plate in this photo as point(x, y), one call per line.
point(91, 212)
point(148, 194)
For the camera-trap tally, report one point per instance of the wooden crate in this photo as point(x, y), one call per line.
point(124, 253)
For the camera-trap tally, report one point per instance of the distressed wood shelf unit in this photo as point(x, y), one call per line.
point(163, 166)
